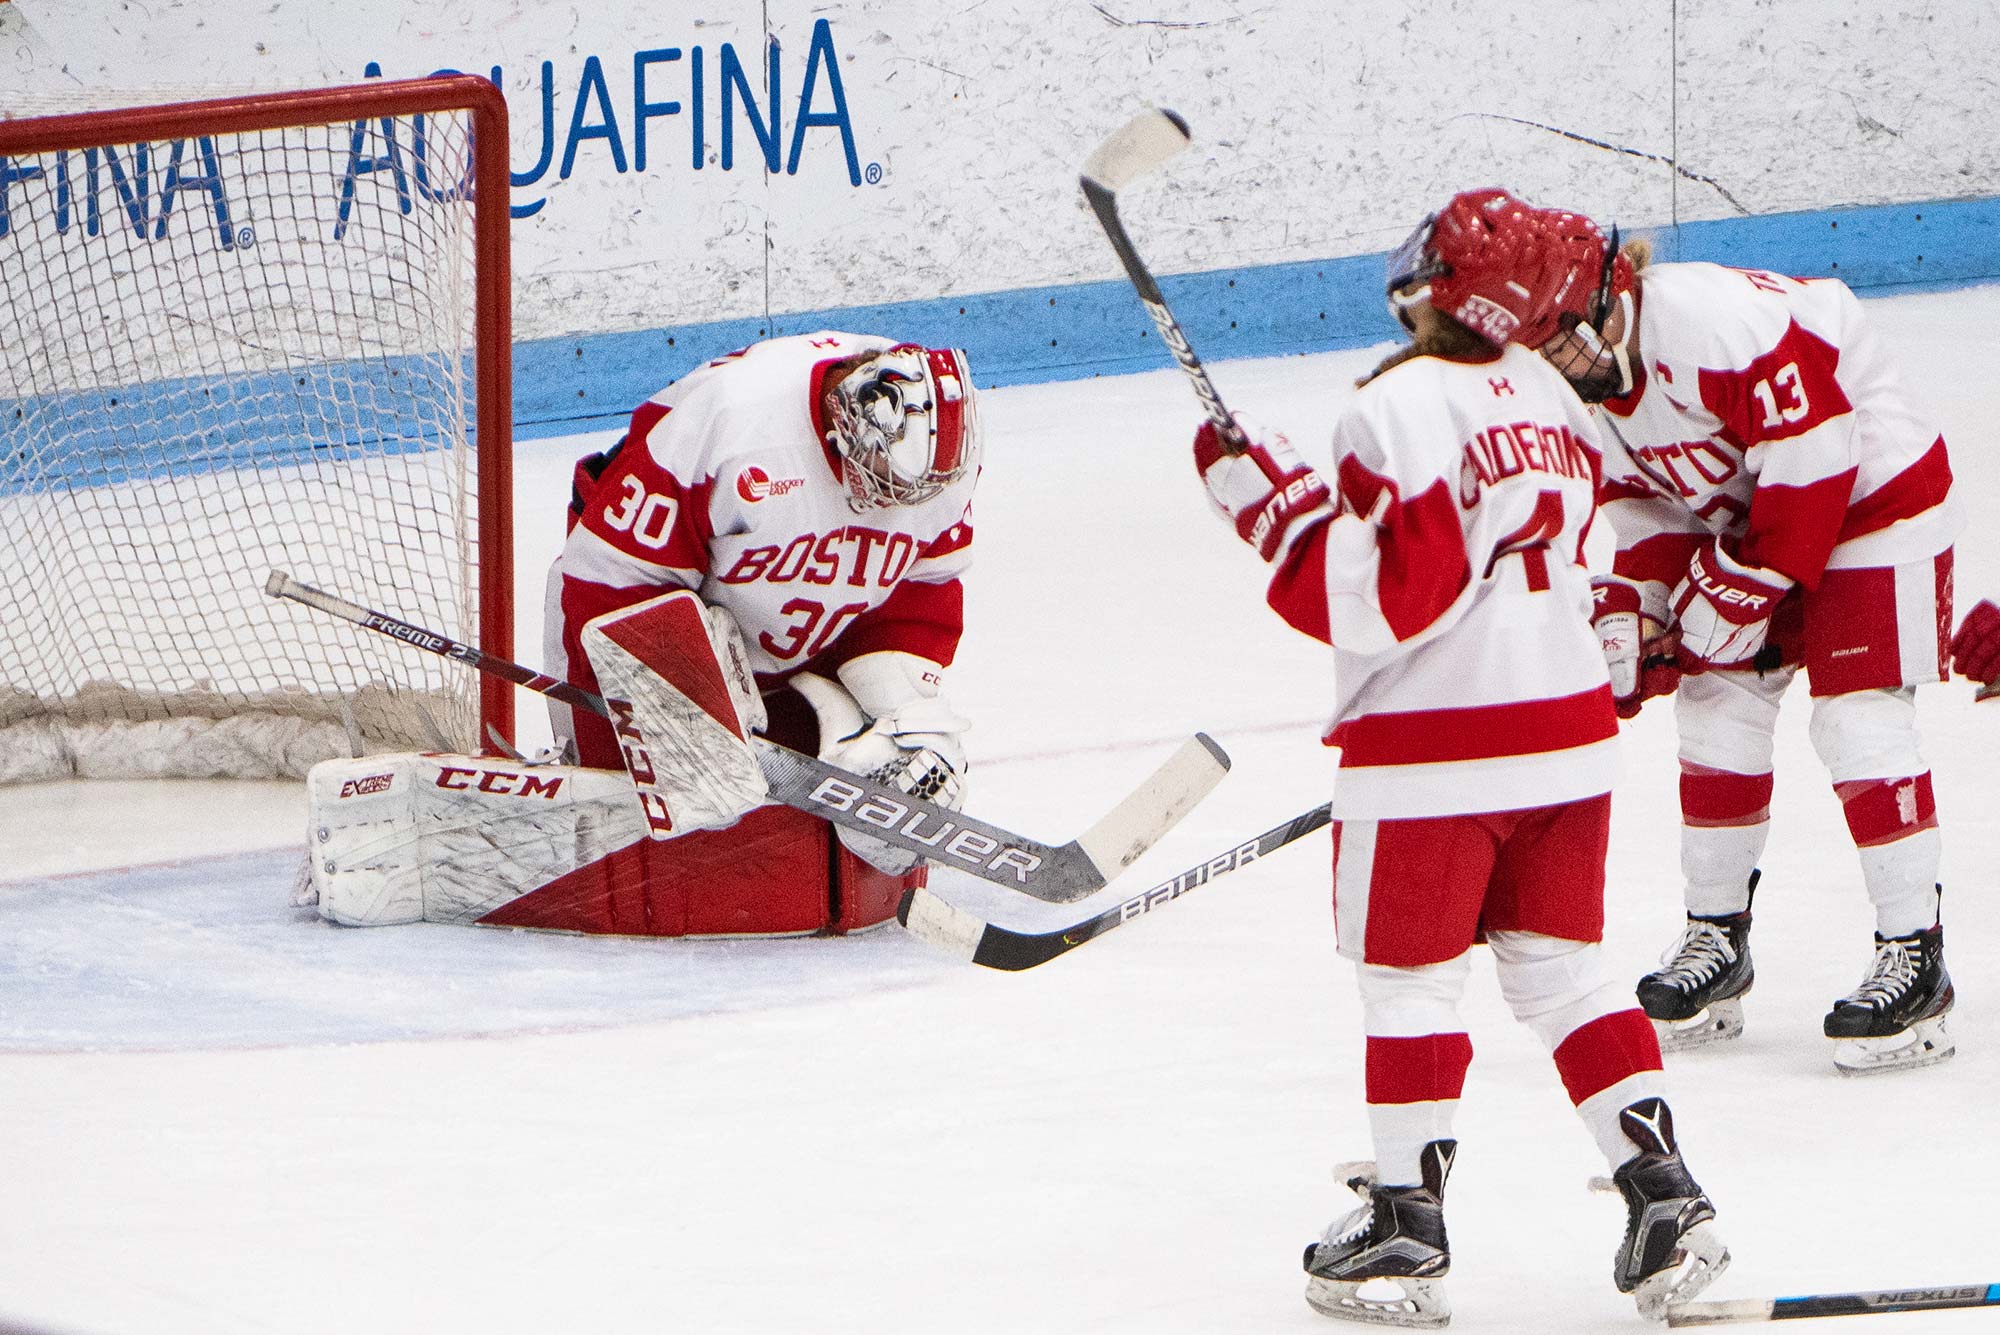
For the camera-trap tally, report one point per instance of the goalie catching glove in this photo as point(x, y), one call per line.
point(1268, 492)
point(885, 719)
point(1723, 609)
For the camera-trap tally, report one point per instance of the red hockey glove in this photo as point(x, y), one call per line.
point(1638, 650)
point(1723, 609)
point(1975, 650)
point(1268, 492)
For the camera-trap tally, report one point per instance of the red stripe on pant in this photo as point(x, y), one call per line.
point(1716, 797)
point(1596, 1055)
point(1418, 1070)
point(1881, 811)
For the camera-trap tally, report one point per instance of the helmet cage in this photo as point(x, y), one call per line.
point(1411, 268)
point(904, 425)
point(1596, 368)
point(1601, 306)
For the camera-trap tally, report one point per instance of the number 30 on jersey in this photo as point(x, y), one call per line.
point(647, 515)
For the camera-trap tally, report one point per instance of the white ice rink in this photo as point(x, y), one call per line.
point(219, 1114)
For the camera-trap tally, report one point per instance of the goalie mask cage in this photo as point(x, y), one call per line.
point(237, 335)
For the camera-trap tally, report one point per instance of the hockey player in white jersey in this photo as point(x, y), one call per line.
point(817, 489)
point(1781, 500)
point(773, 548)
point(1475, 723)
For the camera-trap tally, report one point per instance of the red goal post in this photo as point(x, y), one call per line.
point(245, 333)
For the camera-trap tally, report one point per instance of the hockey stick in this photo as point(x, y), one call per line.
point(1058, 874)
point(931, 918)
point(1834, 1304)
point(1129, 152)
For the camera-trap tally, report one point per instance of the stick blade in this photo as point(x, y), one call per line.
point(945, 925)
point(1155, 806)
point(1135, 148)
point(1720, 1313)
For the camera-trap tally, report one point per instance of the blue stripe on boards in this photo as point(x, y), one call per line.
point(1037, 335)
point(1025, 335)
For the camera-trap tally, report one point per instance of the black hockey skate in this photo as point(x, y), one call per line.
point(1698, 997)
point(1895, 1019)
point(1394, 1243)
point(1671, 1250)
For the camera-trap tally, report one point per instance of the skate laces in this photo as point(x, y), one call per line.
point(1893, 973)
point(1702, 952)
point(1350, 1227)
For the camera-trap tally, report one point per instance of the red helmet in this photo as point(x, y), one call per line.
point(1606, 270)
point(1596, 368)
point(1494, 263)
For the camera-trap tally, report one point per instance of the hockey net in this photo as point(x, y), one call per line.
point(245, 334)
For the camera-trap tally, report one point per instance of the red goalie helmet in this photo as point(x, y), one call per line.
point(1494, 263)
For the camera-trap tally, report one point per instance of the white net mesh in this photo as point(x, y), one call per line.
point(227, 354)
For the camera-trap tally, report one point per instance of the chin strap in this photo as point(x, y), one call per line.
point(1620, 352)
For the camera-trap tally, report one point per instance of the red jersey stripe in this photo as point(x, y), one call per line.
point(1921, 486)
point(1477, 732)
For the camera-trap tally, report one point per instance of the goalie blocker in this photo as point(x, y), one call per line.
point(682, 844)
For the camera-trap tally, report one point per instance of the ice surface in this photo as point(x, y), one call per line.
point(218, 1114)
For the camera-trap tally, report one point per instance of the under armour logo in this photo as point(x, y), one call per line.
point(1906, 803)
point(1500, 386)
point(825, 342)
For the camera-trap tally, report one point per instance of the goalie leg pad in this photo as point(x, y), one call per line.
point(448, 838)
point(463, 839)
point(684, 705)
point(764, 876)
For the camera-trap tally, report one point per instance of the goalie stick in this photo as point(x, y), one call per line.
point(1129, 152)
point(1834, 1304)
point(1058, 874)
point(931, 918)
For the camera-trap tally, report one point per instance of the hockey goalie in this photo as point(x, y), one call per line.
point(773, 549)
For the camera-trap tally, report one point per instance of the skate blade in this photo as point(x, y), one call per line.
point(1924, 1043)
point(1718, 1022)
point(1703, 1257)
point(1415, 1303)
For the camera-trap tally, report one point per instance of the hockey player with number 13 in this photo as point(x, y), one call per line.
point(1781, 501)
point(1474, 717)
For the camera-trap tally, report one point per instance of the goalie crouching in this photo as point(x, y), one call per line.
point(774, 548)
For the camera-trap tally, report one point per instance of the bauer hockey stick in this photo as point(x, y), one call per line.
point(1834, 1304)
point(1058, 874)
point(930, 918)
point(1132, 150)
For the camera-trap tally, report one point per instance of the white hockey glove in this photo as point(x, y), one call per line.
point(884, 718)
point(1723, 609)
point(1638, 648)
point(1268, 492)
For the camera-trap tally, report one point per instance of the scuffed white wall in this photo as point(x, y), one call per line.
point(1323, 129)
